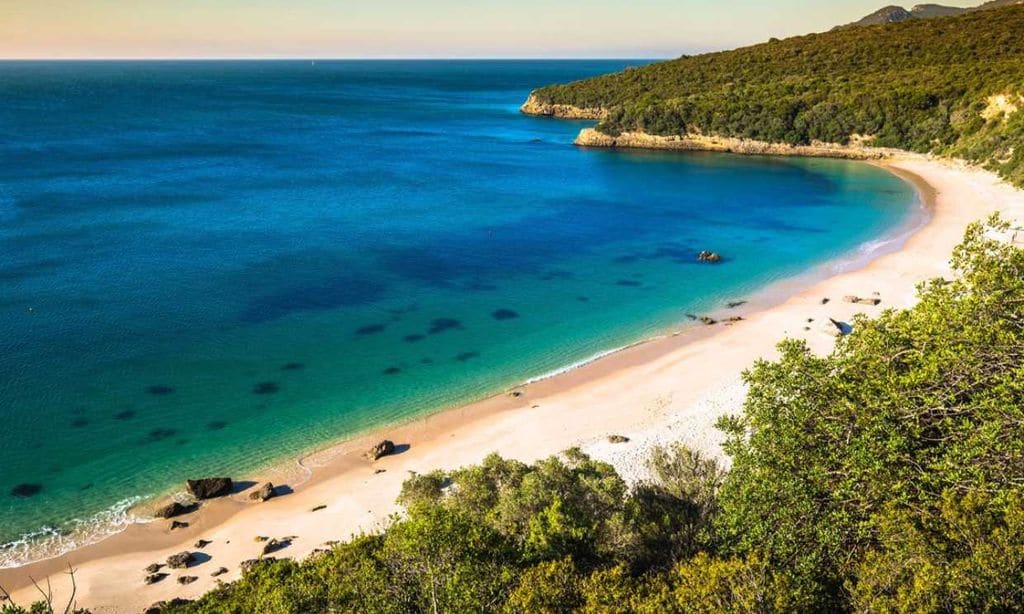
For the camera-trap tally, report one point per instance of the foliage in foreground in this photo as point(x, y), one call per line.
point(919, 85)
point(887, 476)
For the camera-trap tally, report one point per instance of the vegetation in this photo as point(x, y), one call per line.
point(919, 85)
point(886, 476)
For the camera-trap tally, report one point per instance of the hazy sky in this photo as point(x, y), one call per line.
point(406, 28)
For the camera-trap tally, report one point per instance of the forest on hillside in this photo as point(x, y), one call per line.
point(919, 85)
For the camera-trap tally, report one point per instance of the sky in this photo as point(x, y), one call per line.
point(407, 28)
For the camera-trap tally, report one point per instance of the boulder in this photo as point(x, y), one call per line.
point(153, 578)
point(275, 544)
point(180, 560)
point(618, 439)
point(851, 298)
point(202, 543)
point(263, 492)
point(209, 488)
point(220, 572)
point(154, 567)
point(869, 301)
point(250, 563)
point(708, 321)
point(383, 448)
point(177, 524)
point(187, 579)
point(171, 510)
point(706, 256)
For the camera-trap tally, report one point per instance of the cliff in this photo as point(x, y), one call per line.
point(533, 106)
point(590, 137)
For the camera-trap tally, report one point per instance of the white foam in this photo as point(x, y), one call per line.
point(49, 542)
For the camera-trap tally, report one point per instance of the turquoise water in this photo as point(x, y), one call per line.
point(208, 267)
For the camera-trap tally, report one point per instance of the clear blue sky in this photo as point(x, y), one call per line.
point(407, 28)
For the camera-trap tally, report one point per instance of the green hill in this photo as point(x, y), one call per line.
point(950, 86)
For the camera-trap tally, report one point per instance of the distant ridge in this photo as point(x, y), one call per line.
point(896, 14)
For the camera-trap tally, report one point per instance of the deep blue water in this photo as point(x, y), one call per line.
point(209, 267)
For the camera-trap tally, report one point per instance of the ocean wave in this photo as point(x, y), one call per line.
point(49, 541)
point(584, 362)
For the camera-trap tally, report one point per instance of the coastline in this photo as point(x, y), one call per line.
point(663, 389)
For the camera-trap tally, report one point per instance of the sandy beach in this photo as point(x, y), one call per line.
point(672, 388)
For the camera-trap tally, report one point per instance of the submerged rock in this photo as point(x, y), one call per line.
point(209, 488)
point(383, 448)
point(711, 257)
point(26, 490)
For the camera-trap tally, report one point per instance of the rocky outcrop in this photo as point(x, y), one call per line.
point(710, 257)
point(534, 106)
point(172, 509)
point(209, 488)
point(180, 560)
point(263, 493)
point(590, 137)
point(383, 448)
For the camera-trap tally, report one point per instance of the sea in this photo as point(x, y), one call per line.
point(213, 267)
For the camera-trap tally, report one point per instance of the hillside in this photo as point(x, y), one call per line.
point(950, 86)
point(895, 14)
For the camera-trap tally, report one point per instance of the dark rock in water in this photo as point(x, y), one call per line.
point(708, 321)
point(711, 257)
point(79, 422)
point(383, 448)
point(216, 425)
point(202, 543)
point(154, 567)
point(467, 356)
point(691, 316)
point(177, 524)
point(293, 366)
point(266, 388)
point(180, 560)
point(504, 314)
point(442, 324)
point(392, 371)
point(735, 304)
point(161, 434)
point(263, 493)
point(153, 578)
point(618, 439)
point(628, 283)
point(160, 390)
point(220, 572)
point(208, 488)
point(371, 329)
point(172, 509)
point(187, 579)
point(127, 414)
point(26, 490)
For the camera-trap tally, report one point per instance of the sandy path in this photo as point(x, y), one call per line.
point(669, 389)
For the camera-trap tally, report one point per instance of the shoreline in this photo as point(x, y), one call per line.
point(644, 391)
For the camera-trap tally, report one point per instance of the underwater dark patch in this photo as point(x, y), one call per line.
point(160, 390)
point(293, 366)
point(392, 371)
point(127, 414)
point(440, 325)
point(315, 295)
point(371, 329)
point(467, 356)
point(79, 423)
point(414, 338)
point(161, 434)
point(426, 361)
point(266, 388)
point(558, 275)
point(628, 283)
point(504, 314)
point(583, 299)
point(26, 490)
point(216, 425)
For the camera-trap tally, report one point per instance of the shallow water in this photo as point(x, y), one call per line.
point(207, 267)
